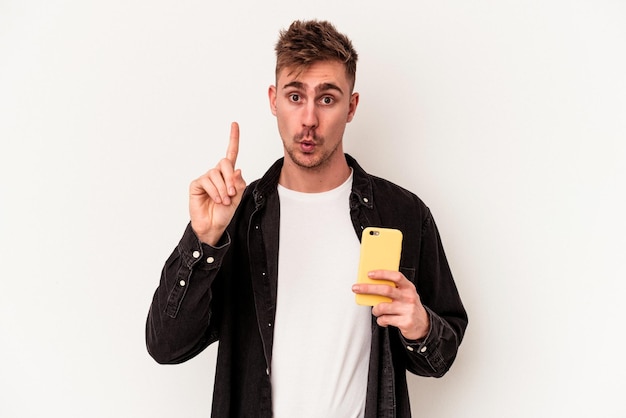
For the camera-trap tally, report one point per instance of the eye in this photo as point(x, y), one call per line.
point(327, 100)
point(294, 97)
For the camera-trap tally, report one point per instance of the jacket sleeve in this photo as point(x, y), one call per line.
point(180, 321)
point(433, 355)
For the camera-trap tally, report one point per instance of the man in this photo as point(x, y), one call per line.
point(268, 269)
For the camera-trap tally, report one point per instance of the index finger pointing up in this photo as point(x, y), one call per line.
point(233, 144)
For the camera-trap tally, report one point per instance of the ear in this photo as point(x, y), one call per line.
point(271, 93)
point(354, 102)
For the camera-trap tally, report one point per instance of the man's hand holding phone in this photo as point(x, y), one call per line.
point(405, 311)
point(380, 284)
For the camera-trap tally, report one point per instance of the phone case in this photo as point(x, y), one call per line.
point(380, 250)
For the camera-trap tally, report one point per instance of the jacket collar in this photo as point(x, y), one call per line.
point(361, 184)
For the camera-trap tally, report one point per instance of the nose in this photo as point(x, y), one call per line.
point(309, 116)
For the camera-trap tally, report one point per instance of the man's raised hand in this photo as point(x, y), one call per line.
point(214, 197)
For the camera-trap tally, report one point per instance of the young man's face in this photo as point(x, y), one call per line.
point(313, 108)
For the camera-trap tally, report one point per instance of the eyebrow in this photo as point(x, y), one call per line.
point(320, 88)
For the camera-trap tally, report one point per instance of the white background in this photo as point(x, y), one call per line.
point(507, 117)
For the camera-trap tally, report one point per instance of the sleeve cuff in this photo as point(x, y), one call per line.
point(193, 251)
point(422, 345)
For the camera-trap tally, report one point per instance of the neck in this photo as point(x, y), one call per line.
point(327, 177)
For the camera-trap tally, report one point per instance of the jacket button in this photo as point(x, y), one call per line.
point(196, 254)
point(210, 260)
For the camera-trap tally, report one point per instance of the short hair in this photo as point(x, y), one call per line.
point(308, 42)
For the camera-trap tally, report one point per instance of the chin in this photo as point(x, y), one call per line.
point(306, 160)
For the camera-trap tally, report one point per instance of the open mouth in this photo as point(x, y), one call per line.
point(307, 146)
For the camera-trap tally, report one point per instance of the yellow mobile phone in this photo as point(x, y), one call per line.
point(380, 250)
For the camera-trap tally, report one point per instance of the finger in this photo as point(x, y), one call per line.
point(375, 289)
point(404, 291)
point(383, 308)
point(233, 144)
point(199, 188)
point(393, 276)
point(205, 186)
point(221, 180)
point(393, 320)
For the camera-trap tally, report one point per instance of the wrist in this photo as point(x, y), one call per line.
point(209, 237)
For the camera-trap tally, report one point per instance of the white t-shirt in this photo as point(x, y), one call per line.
point(322, 337)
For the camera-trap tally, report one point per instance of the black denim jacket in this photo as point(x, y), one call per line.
point(228, 293)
